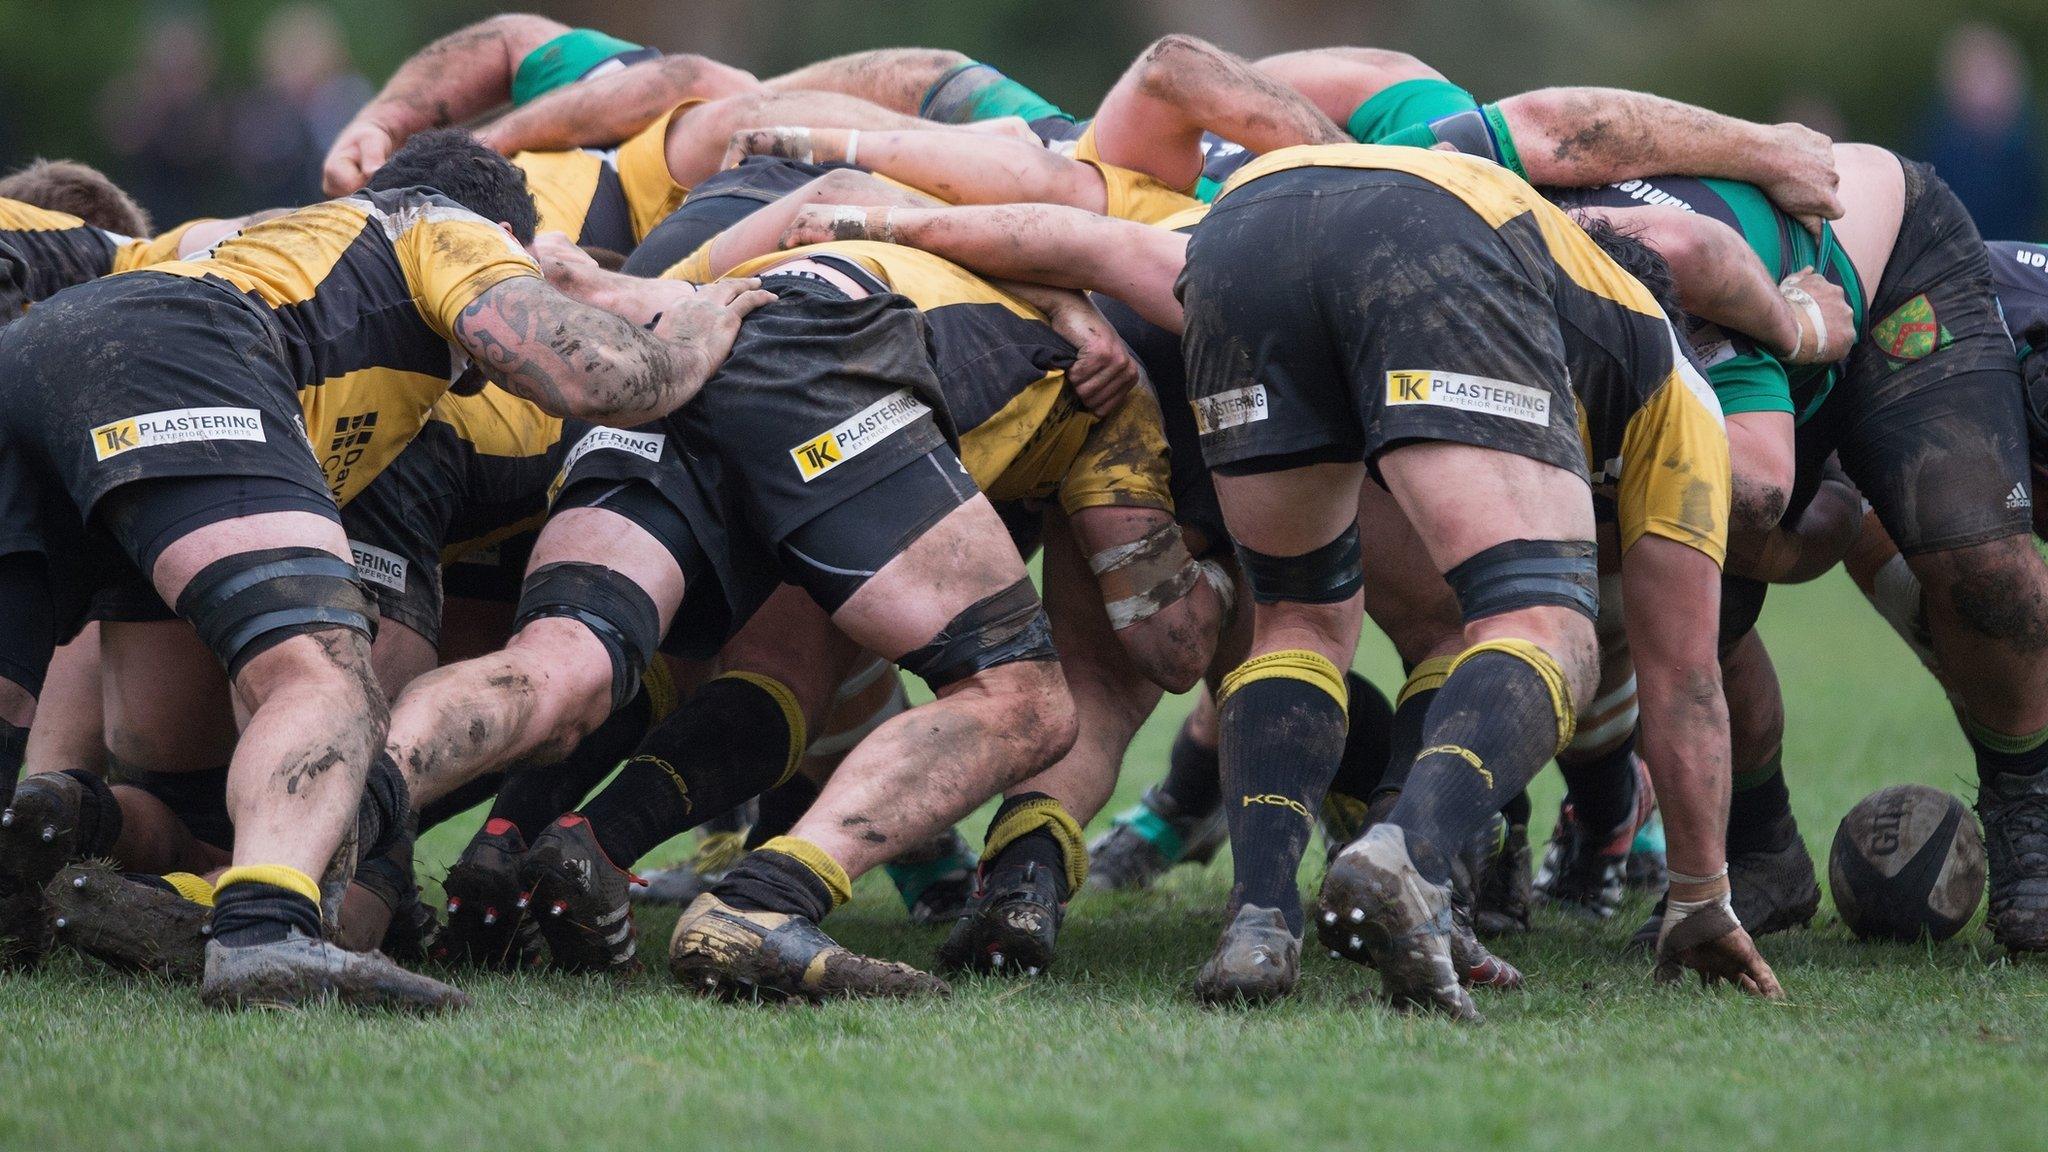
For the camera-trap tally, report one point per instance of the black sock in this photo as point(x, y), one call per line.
point(1367, 738)
point(732, 741)
point(1758, 807)
point(1411, 712)
point(768, 881)
point(1193, 781)
point(2001, 755)
point(384, 814)
point(781, 807)
point(13, 755)
point(1282, 738)
point(99, 814)
point(249, 912)
point(1038, 847)
point(1493, 725)
point(1602, 789)
point(532, 797)
point(1516, 811)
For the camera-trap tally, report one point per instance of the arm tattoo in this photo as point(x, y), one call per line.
point(566, 357)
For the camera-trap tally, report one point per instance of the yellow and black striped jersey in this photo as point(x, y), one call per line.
point(606, 198)
point(507, 452)
point(1023, 433)
point(364, 292)
point(1652, 429)
point(57, 250)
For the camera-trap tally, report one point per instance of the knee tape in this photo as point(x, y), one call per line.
point(1548, 669)
point(1311, 668)
point(1004, 628)
point(1527, 573)
point(617, 611)
point(1331, 574)
point(1608, 721)
point(1144, 577)
point(246, 604)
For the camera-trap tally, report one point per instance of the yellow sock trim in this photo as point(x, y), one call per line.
point(1553, 678)
point(792, 715)
point(813, 857)
point(1427, 677)
point(662, 693)
point(1051, 815)
point(274, 874)
point(1289, 664)
point(193, 888)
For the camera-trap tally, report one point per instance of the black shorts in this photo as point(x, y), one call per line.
point(761, 479)
point(1930, 416)
point(717, 204)
point(820, 397)
point(148, 376)
point(1335, 313)
point(441, 497)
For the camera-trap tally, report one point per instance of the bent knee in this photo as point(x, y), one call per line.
point(1997, 589)
point(1040, 718)
point(562, 677)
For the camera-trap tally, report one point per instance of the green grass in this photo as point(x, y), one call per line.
point(1915, 1046)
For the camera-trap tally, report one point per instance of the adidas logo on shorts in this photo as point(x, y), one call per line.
point(2019, 497)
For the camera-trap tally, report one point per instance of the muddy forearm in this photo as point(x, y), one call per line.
point(1579, 137)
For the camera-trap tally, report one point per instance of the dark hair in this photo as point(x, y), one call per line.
point(457, 165)
point(1639, 260)
point(77, 190)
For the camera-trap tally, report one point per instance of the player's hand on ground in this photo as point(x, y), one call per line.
point(1807, 185)
point(1827, 323)
point(1711, 942)
point(357, 153)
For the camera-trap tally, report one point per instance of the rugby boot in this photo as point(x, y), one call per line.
point(1011, 926)
point(579, 899)
point(39, 834)
point(138, 923)
point(1501, 894)
point(489, 923)
point(1646, 858)
point(737, 954)
point(1476, 965)
point(2015, 814)
point(668, 887)
point(1403, 921)
point(1256, 960)
point(1149, 839)
point(1584, 871)
point(1775, 889)
point(300, 970)
point(937, 881)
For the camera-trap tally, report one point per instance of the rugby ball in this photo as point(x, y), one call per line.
point(1907, 861)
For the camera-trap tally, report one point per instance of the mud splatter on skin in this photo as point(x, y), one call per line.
point(2002, 601)
point(308, 769)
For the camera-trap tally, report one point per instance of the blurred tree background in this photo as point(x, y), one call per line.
point(76, 78)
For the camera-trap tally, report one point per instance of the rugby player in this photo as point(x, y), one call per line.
point(1141, 265)
point(288, 619)
point(513, 59)
point(992, 667)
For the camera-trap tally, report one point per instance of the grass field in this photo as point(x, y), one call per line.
point(1909, 1046)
